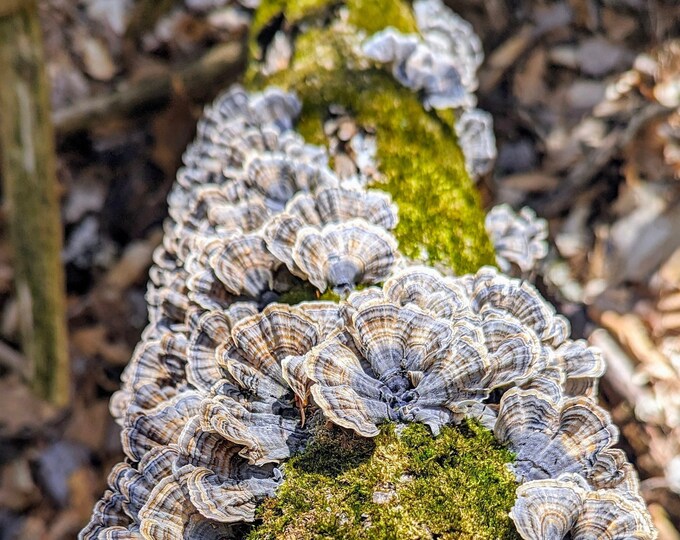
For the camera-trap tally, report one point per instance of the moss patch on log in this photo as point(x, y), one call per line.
point(368, 15)
point(404, 484)
point(375, 15)
point(440, 216)
point(306, 292)
point(294, 11)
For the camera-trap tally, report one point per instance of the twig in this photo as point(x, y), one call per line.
point(620, 368)
point(216, 68)
point(505, 56)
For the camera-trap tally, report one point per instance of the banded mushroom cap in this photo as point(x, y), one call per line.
point(116, 515)
point(169, 513)
point(427, 288)
point(236, 120)
point(567, 507)
point(273, 106)
point(159, 426)
point(553, 434)
point(248, 400)
point(490, 300)
point(489, 290)
point(246, 216)
point(520, 239)
point(157, 362)
point(209, 330)
point(260, 170)
point(222, 485)
point(344, 203)
point(278, 178)
point(243, 264)
point(343, 224)
point(583, 366)
point(346, 254)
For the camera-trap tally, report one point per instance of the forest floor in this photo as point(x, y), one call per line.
point(585, 96)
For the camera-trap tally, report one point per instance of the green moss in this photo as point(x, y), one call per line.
point(306, 292)
point(368, 15)
point(375, 15)
point(295, 11)
point(406, 486)
point(440, 216)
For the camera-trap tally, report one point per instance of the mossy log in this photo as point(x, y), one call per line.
point(30, 196)
point(440, 216)
point(456, 485)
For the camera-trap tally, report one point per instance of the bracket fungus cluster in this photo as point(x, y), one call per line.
point(237, 367)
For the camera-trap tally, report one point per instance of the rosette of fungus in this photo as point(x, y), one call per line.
point(442, 63)
point(419, 67)
point(396, 361)
point(336, 236)
point(569, 507)
point(423, 348)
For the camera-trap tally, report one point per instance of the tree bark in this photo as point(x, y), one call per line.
point(30, 190)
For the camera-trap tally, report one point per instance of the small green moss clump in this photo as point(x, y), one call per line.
point(440, 216)
point(407, 485)
point(306, 292)
point(375, 15)
point(294, 11)
point(368, 15)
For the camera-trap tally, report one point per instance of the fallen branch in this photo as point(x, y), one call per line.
point(214, 70)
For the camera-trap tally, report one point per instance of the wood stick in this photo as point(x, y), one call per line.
point(214, 70)
point(28, 169)
point(620, 368)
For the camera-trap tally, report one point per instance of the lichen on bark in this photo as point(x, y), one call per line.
point(403, 484)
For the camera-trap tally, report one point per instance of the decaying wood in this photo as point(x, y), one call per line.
point(28, 168)
point(216, 69)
